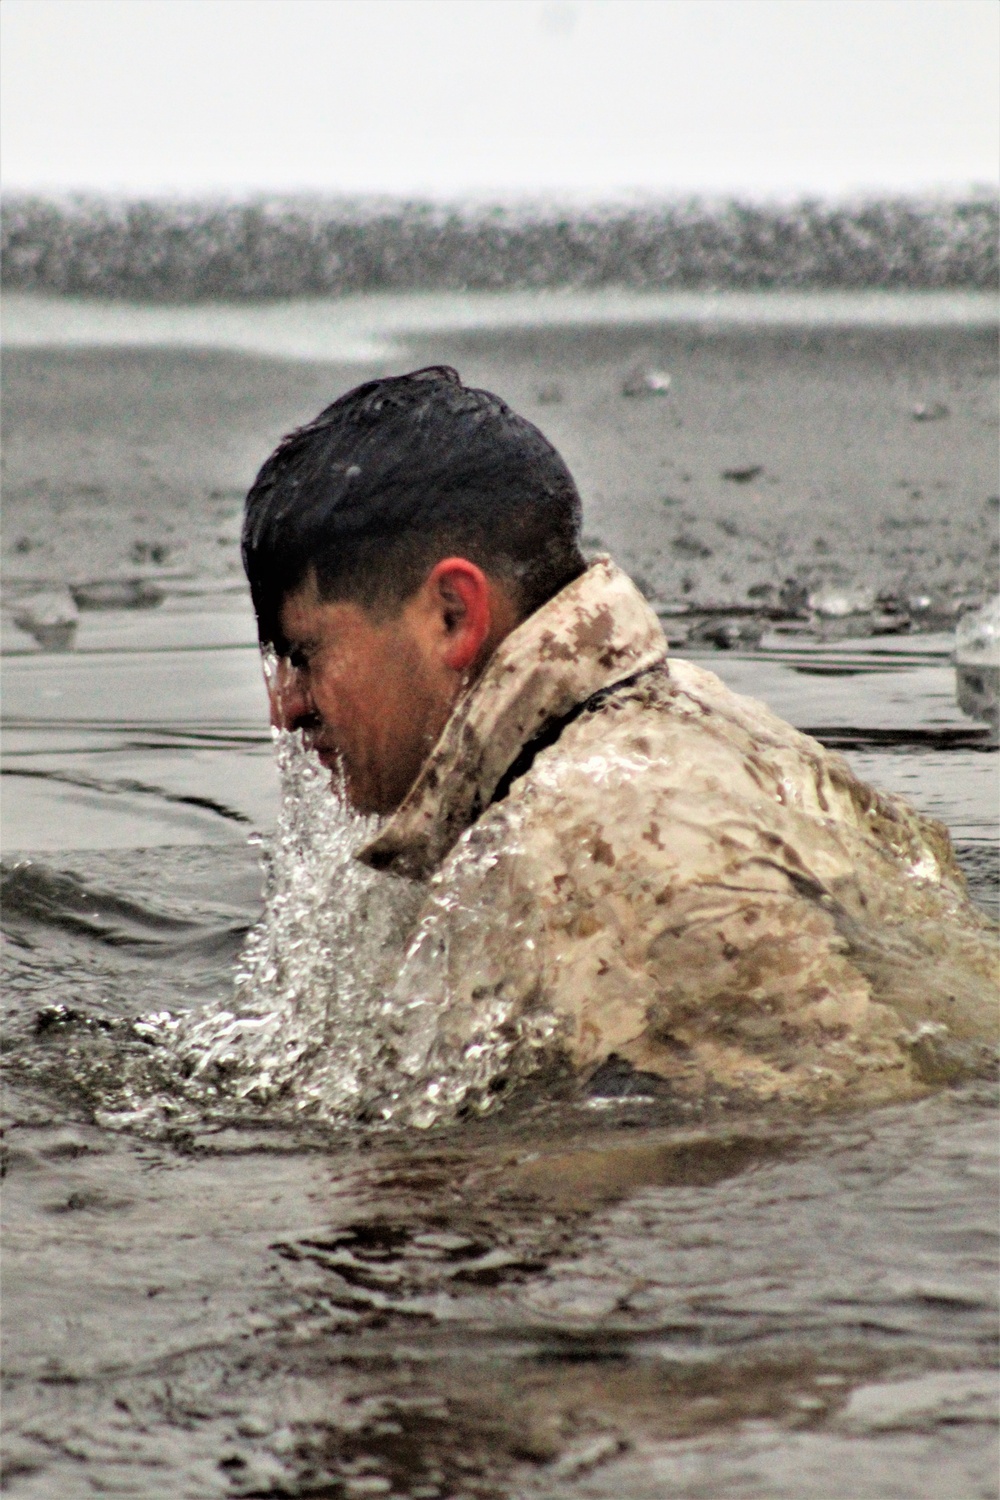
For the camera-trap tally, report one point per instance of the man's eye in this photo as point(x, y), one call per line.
point(299, 659)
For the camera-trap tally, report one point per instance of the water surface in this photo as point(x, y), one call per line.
point(376, 326)
point(580, 1296)
point(214, 1287)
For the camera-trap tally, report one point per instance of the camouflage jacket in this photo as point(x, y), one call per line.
point(633, 860)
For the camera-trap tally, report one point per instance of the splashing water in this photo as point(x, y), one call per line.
point(340, 993)
point(302, 1029)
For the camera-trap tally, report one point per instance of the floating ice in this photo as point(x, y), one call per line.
point(930, 411)
point(51, 618)
point(118, 593)
point(646, 382)
point(977, 663)
point(834, 602)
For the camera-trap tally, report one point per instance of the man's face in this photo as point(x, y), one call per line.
point(371, 694)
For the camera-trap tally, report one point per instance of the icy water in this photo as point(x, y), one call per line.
point(211, 1290)
point(228, 1271)
point(377, 326)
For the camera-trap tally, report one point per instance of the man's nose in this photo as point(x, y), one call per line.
point(292, 706)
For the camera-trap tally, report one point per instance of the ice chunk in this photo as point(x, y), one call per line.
point(835, 602)
point(930, 411)
point(118, 593)
point(743, 475)
point(50, 617)
point(646, 382)
point(977, 663)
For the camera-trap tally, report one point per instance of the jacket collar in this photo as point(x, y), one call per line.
point(598, 631)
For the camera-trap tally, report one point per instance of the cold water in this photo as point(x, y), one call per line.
point(261, 1240)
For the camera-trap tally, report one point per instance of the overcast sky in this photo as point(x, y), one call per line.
point(451, 97)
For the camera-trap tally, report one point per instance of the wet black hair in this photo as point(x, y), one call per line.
point(392, 477)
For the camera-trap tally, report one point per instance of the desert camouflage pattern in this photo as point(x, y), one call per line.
point(680, 878)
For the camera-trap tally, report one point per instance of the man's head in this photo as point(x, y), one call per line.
point(390, 546)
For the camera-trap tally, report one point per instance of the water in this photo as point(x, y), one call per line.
point(240, 1256)
point(218, 1282)
point(378, 325)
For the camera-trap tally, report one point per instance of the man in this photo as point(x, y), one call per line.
point(622, 858)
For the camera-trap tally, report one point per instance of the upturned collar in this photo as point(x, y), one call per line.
point(597, 632)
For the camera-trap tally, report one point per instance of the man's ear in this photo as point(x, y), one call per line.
point(462, 592)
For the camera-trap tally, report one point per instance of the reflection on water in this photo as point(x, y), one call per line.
point(545, 1304)
point(575, 1295)
point(230, 1293)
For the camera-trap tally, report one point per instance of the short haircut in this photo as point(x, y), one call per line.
point(396, 475)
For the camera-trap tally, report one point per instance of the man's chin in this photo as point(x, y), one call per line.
point(342, 784)
point(358, 792)
point(353, 792)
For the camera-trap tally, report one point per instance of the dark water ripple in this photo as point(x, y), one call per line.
point(582, 1297)
point(577, 1298)
point(556, 1304)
